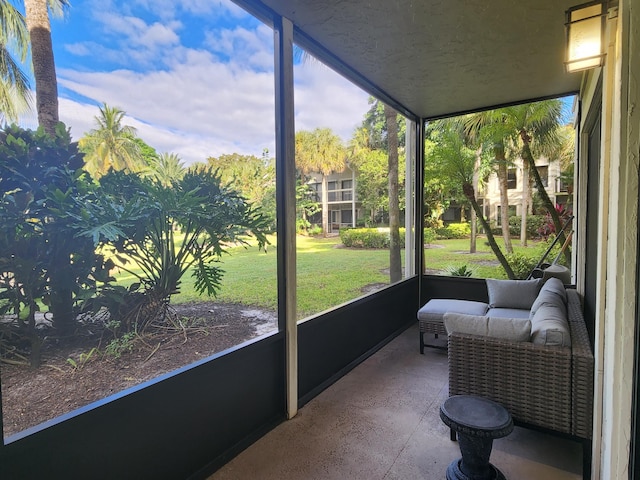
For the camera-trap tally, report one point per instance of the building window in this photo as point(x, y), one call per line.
point(331, 191)
point(512, 179)
point(347, 190)
point(544, 175)
point(347, 217)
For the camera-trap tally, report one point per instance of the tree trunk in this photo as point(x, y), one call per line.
point(395, 260)
point(325, 206)
point(504, 198)
point(44, 70)
point(474, 217)
point(471, 196)
point(525, 205)
point(527, 156)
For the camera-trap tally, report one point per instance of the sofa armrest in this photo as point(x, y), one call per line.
point(582, 368)
point(532, 381)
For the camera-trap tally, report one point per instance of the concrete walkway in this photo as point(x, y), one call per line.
point(381, 421)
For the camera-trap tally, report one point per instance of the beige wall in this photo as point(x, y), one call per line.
point(617, 234)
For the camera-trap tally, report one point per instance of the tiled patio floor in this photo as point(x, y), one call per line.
point(381, 421)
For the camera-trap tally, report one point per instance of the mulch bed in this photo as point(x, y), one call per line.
point(76, 371)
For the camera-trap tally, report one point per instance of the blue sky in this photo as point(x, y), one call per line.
point(195, 77)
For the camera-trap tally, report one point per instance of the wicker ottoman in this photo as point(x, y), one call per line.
point(430, 316)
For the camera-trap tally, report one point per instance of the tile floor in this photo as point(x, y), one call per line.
point(381, 422)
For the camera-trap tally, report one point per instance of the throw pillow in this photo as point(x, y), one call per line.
point(512, 293)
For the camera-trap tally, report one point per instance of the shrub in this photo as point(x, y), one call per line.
point(461, 271)
point(368, 237)
point(521, 264)
point(143, 215)
point(429, 235)
point(454, 231)
point(315, 230)
point(534, 222)
point(43, 199)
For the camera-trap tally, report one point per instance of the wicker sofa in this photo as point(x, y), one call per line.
point(546, 386)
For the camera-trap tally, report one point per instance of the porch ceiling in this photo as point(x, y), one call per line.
point(438, 57)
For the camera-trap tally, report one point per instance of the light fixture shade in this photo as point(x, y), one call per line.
point(585, 29)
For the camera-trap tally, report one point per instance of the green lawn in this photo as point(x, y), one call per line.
point(329, 274)
point(455, 253)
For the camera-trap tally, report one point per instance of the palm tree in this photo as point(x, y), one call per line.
point(111, 145)
point(538, 124)
point(489, 127)
point(44, 68)
point(395, 260)
point(169, 168)
point(320, 151)
point(14, 85)
point(458, 161)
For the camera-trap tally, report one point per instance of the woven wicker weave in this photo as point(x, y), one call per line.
point(549, 387)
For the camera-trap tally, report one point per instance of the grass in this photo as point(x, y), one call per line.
point(329, 274)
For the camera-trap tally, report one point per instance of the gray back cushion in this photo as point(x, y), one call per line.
point(549, 326)
point(551, 293)
point(518, 294)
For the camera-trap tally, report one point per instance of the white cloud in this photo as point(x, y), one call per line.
point(249, 47)
point(203, 108)
point(167, 9)
point(194, 102)
point(325, 99)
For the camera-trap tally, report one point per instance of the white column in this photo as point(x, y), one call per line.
point(286, 206)
point(410, 199)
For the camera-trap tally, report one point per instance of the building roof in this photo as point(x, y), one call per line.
point(433, 58)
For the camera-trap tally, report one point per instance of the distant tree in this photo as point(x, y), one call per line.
point(248, 174)
point(149, 154)
point(383, 129)
point(253, 177)
point(168, 168)
point(14, 84)
point(395, 260)
point(320, 151)
point(368, 155)
point(372, 183)
point(198, 167)
point(111, 145)
point(375, 126)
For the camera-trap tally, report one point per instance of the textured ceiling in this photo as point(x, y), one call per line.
point(438, 57)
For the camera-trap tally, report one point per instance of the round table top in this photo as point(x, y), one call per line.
point(476, 416)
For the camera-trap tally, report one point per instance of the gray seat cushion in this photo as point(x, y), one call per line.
point(434, 309)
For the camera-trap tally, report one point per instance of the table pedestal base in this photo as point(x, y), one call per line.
point(454, 472)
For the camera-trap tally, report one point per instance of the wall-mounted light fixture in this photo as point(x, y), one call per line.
point(585, 31)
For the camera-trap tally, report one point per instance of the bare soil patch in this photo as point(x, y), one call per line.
point(77, 371)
